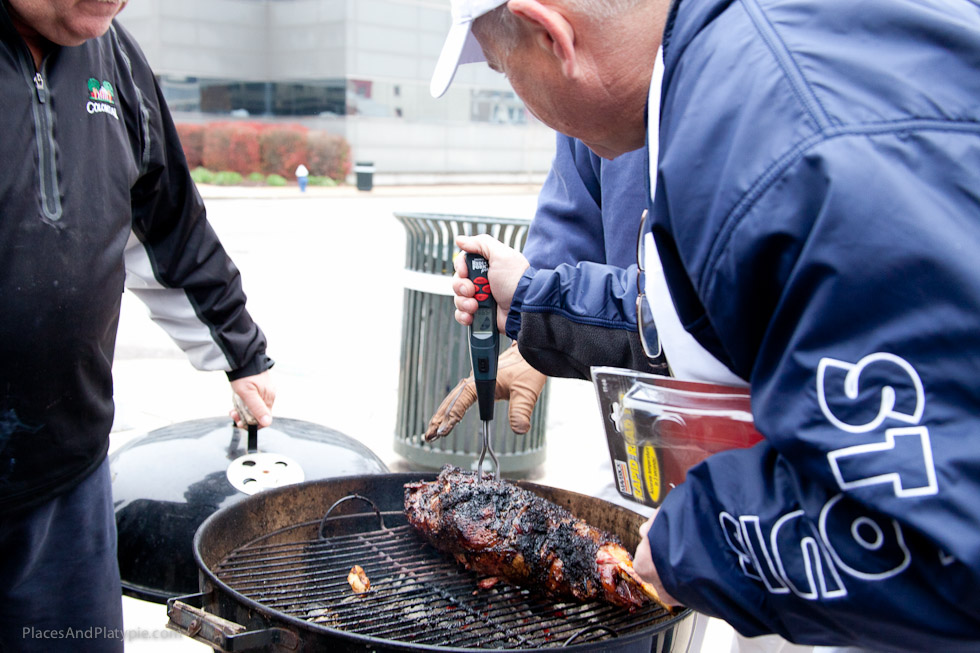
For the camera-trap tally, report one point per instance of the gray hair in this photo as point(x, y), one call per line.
point(504, 29)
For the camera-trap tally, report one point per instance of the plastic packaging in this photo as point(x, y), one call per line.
point(658, 427)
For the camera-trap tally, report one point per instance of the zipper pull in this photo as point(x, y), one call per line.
point(42, 94)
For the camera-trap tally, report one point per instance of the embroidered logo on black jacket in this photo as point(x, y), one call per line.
point(101, 98)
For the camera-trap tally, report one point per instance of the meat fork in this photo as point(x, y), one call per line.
point(487, 436)
point(484, 350)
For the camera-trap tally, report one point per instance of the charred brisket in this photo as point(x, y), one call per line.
point(503, 531)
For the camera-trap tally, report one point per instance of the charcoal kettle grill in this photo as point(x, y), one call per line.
point(274, 567)
point(166, 483)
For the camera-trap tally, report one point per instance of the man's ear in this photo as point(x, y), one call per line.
point(550, 30)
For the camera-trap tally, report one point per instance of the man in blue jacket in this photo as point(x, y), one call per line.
point(814, 223)
point(588, 213)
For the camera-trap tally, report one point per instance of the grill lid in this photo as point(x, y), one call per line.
point(166, 483)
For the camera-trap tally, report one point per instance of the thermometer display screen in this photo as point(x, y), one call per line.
point(483, 321)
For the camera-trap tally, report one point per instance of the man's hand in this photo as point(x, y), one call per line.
point(517, 382)
point(257, 393)
point(507, 266)
point(643, 564)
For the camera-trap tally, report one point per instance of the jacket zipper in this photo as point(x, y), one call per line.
point(43, 129)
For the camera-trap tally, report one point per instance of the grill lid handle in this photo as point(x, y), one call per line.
point(221, 634)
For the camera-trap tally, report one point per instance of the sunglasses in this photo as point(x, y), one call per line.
point(644, 314)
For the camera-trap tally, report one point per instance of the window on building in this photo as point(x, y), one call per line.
point(219, 96)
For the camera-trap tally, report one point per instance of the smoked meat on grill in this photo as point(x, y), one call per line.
point(504, 531)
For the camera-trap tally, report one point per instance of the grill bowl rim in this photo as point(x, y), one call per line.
point(229, 513)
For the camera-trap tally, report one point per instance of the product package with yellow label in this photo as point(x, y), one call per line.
point(658, 427)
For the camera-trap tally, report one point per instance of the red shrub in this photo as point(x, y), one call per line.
point(232, 146)
point(329, 155)
point(282, 148)
point(192, 142)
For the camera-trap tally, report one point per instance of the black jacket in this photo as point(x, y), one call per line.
point(92, 182)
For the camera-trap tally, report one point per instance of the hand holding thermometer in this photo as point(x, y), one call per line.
point(484, 349)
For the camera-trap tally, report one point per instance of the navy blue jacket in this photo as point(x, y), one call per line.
point(588, 210)
point(586, 224)
point(817, 214)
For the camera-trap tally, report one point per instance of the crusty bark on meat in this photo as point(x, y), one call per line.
point(500, 530)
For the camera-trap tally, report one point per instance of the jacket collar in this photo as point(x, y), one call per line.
point(684, 21)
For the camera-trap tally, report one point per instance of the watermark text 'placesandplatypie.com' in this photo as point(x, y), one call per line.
point(99, 632)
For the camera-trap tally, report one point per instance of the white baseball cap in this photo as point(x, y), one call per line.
point(460, 46)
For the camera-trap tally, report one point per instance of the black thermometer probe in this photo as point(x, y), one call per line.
point(484, 349)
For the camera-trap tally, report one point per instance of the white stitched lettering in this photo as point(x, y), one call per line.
point(100, 107)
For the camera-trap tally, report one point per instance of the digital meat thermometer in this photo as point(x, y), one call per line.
point(484, 349)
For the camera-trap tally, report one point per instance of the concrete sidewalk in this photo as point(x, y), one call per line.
point(321, 270)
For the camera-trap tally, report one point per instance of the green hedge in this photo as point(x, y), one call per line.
point(228, 178)
point(202, 176)
point(250, 148)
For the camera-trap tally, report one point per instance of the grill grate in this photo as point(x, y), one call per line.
point(418, 595)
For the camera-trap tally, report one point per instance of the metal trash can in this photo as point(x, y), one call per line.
point(435, 351)
point(364, 171)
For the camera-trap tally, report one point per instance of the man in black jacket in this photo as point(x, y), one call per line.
point(95, 194)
